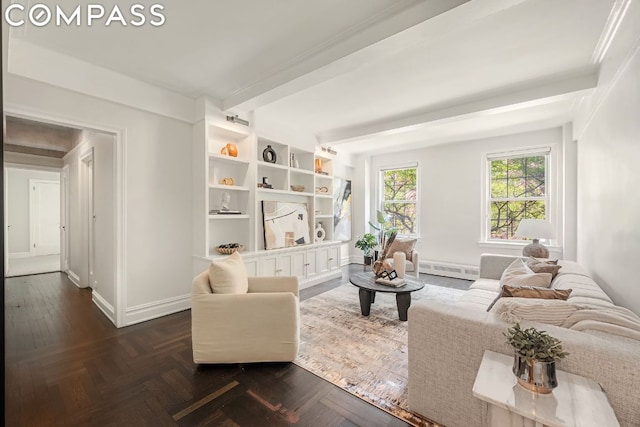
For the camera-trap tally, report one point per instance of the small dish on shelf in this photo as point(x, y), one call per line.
point(229, 248)
point(298, 188)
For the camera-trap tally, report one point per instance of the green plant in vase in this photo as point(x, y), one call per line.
point(535, 354)
point(366, 244)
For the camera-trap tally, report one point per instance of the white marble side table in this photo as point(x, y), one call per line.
point(577, 401)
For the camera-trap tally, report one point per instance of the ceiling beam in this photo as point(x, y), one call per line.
point(510, 98)
point(368, 39)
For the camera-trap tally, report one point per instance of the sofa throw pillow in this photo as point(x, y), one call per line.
point(228, 276)
point(533, 292)
point(402, 245)
point(546, 266)
point(551, 312)
point(518, 274)
point(530, 292)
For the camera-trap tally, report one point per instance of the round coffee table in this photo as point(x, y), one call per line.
point(368, 288)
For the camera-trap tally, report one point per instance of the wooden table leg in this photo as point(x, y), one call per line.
point(373, 297)
point(403, 301)
point(365, 301)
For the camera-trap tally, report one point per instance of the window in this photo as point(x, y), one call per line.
point(400, 198)
point(518, 189)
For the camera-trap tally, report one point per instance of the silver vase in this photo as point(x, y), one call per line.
point(539, 377)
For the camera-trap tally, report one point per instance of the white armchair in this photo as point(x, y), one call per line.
point(399, 259)
point(259, 326)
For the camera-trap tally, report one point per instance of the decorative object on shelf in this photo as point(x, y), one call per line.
point(535, 355)
point(225, 201)
point(230, 150)
point(269, 155)
point(236, 119)
point(265, 183)
point(341, 209)
point(535, 229)
point(297, 187)
point(227, 181)
point(366, 244)
point(318, 167)
point(229, 248)
point(382, 265)
point(322, 190)
point(285, 224)
point(293, 161)
point(320, 233)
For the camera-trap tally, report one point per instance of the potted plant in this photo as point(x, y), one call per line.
point(535, 355)
point(366, 244)
point(381, 228)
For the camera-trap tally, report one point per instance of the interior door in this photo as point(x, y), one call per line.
point(44, 210)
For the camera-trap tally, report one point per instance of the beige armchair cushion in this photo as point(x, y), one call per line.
point(402, 245)
point(228, 276)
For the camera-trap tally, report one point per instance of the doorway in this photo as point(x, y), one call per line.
point(32, 199)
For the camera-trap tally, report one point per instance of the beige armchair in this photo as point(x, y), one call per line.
point(259, 326)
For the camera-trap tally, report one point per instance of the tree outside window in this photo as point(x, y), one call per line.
point(518, 190)
point(400, 198)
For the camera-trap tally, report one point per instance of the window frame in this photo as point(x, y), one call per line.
point(381, 199)
point(548, 198)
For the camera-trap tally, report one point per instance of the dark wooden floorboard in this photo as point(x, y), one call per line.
point(66, 364)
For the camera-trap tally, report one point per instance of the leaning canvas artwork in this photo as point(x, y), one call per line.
point(342, 209)
point(286, 224)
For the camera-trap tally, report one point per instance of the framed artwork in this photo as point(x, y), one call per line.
point(286, 224)
point(342, 204)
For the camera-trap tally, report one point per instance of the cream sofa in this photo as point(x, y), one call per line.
point(261, 325)
point(446, 344)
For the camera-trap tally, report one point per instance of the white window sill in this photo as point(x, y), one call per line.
point(513, 245)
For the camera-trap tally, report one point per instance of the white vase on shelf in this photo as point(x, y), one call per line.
point(320, 233)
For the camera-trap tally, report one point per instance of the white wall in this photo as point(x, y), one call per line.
point(103, 281)
point(157, 185)
point(18, 205)
point(450, 193)
point(608, 172)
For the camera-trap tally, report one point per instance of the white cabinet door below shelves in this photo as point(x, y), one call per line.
point(285, 263)
point(322, 260)
point(334, 258)
point(298, 268)
point(311, 263)
point(251, 264)
point(268, 265)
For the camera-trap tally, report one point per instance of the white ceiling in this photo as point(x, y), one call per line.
point(363, 74)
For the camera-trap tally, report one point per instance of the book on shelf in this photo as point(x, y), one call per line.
point(396, 283)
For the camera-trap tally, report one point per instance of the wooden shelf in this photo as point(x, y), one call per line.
point(229, 187)
point(293, 193)
point(272, 165)
point(319, 175)
point(223, 158)
point(229, 216)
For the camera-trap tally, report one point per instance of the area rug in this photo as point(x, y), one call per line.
point(366, 356)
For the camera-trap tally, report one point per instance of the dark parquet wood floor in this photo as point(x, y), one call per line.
point(67, 365)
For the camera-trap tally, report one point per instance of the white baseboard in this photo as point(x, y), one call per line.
point(16, 255)
point(75, 279)
point(155, 309)
point(458, 271)
point(320, 279)
point(104, 306)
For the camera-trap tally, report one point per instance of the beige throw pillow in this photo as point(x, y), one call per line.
point(518, 274)
point(228, 276)
point(402, 245)
point(532, 292)
point(546, 266)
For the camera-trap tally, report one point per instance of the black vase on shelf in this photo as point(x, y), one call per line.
point(269, 155)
